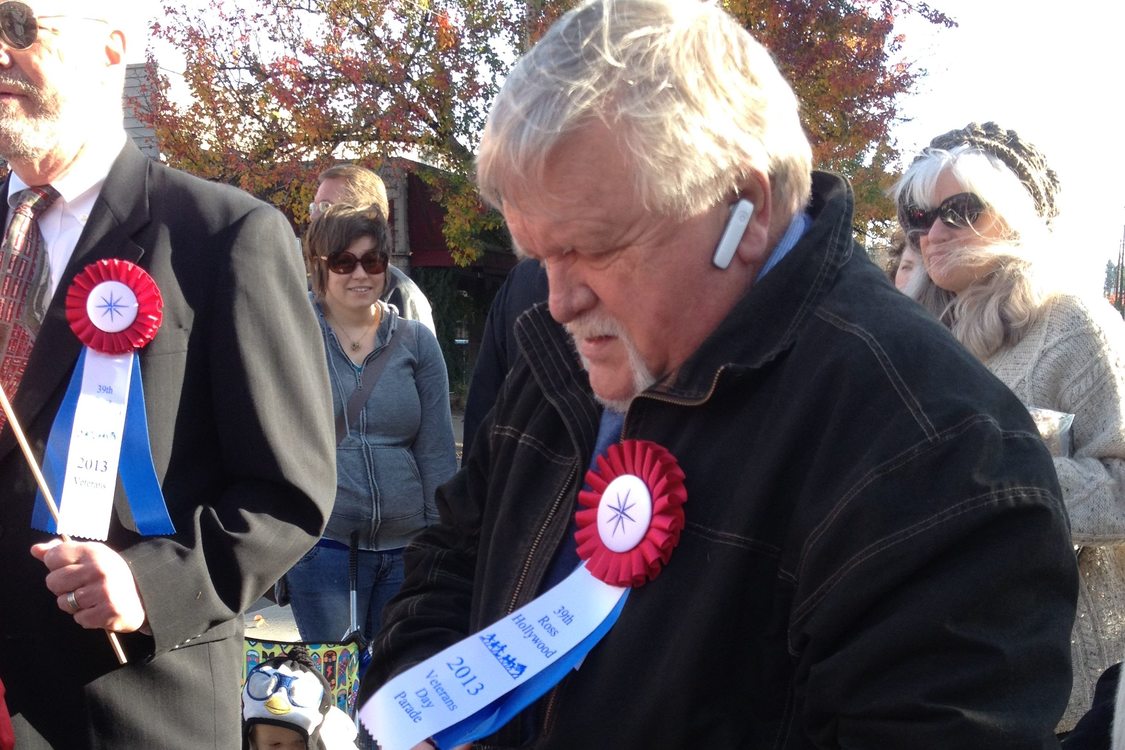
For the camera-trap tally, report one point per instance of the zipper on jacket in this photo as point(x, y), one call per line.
point(549, 711)
point(513, 602)
point(552, 696)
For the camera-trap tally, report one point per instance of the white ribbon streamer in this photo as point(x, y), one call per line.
point(86, 504)
point(466, 677)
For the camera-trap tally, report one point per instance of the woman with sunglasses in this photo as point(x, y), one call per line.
point(395, 444)
point(978, 205)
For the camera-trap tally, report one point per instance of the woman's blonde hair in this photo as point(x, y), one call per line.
point(997, 310)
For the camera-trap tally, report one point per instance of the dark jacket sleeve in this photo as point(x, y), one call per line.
point(952, 629)
point(250, 475)
point(432, 609)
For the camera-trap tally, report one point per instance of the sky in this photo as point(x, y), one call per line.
point(1046, 70)
point(1049, 72)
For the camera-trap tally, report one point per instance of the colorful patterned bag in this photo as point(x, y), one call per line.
point(338, 662)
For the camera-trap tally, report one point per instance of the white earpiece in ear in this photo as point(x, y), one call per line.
point(740, 214)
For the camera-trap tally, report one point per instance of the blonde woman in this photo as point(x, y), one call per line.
point(978, 205)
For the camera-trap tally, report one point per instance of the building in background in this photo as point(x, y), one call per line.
point(142, 134)
point(460, 296)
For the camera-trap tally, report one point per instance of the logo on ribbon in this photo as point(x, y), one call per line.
point(628, 524)
point(630, 519)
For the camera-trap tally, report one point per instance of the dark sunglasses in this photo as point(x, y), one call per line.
point(19, 26)
point(956, 212)
point(343, 262)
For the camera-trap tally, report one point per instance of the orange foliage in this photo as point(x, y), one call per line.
point(847, 67)
point(279, 89)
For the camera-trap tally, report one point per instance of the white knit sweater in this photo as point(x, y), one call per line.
point(1073, 360)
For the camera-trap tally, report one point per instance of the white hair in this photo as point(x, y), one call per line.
point(697, 103)
point(985, 176)
point(995, 311)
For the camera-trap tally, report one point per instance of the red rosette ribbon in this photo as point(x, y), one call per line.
point(114, 306)
point(630, 519)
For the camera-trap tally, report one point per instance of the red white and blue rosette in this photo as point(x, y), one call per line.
point(100, 432)
point(631, 516)
point(114, 307)
point(629, 521)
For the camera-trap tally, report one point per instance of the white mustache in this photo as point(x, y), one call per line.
point(591, 327)
point(16, 82)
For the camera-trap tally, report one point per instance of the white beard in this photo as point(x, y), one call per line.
point(592, 325)
point(31, 136)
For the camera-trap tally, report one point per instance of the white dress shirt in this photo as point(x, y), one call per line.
point(61, 225)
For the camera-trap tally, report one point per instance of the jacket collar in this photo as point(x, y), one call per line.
point(554, 363)
point(769, 317)
point(388, 324)
point(121, 210)
point(762, 325)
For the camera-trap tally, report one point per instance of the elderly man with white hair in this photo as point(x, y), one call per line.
point(737, 491)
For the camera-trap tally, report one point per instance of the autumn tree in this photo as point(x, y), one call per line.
point(277, 89)
point(848, 68)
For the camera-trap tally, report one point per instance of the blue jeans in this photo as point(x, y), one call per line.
point(319, 592)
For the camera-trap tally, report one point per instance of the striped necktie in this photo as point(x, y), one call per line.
point(24, 282)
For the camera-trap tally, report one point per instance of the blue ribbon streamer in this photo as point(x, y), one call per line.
point(137, 472)
point(58, 445)
point(498, 713)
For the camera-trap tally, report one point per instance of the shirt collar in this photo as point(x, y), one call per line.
point(797, 228)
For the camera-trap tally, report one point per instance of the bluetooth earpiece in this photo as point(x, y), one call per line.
point(740, 214)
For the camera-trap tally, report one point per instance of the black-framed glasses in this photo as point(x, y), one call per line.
point(958, 211)
point(343, 262)
point(19, 26)
point(304, 690)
